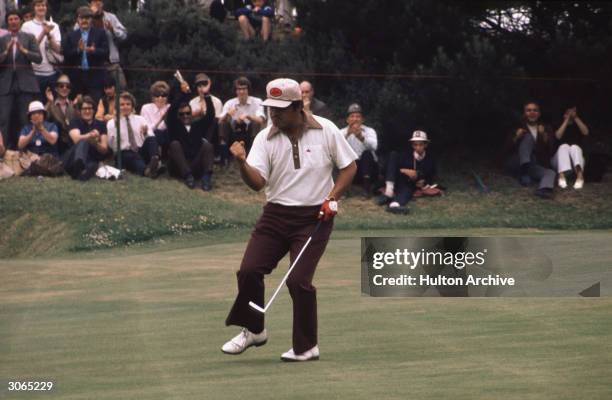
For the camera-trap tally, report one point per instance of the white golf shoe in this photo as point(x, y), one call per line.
point(309, 355)
point(244, 340)
point(562, 182)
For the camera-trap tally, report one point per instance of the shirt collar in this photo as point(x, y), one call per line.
point(308, 122)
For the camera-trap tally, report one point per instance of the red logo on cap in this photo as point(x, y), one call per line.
point(276, 92)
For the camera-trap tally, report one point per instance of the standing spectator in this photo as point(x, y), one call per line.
point(242, 117)
point(191, 153)
point(529, 151)
point(2, 15)
point(363, 141)
point(255, 17)
point(106, 106)
point(115, 34)
point(18, 85)
point(48, 36)
point(61, 111)
point(312, 104)
point(90, 142)
point(155, 114)
point(87, 49)
point(569, 153)
point(139, 149)
point(410, 171)
point(38, 136)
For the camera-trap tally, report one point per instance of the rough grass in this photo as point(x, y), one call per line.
point(55, 216)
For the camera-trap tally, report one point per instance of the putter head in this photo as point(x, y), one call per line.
point(256, 307)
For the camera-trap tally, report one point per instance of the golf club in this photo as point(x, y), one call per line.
point(264, 309)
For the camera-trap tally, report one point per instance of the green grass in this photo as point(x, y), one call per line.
point(58, 215)
point(148, 324)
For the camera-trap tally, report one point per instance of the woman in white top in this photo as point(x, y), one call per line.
point(48, 36)
point(155, 113)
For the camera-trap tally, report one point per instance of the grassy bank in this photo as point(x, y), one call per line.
point(55, 216)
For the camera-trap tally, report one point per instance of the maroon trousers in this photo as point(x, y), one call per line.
point(279, 230)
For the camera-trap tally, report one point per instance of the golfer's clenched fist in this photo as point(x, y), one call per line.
point(238, 151)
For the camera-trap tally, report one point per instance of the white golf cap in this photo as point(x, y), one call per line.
point(419, 136)
point(282, 92)
point(36, 106)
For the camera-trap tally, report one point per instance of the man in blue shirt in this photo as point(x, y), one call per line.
point(39, 136)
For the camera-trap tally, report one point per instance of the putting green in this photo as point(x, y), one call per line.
point(149, 324)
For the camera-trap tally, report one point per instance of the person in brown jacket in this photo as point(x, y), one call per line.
point(61, 111)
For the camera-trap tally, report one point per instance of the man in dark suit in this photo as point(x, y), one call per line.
point(18, 84)
point(191, 152)
point(87, 49)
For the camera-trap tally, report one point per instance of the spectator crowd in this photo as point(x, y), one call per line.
point(65, 108)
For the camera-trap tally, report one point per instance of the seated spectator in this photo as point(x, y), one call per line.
point(139, 148)
point(90, 142)
point(86, 50)
point(39, 136)
point(312, 104)
point(241, 118)
point(61, 111)
point(106, 106)
point(529, 150)
point(255, 17)
point(569, 153)
point(47, 35)
point(155, 114)
point(363, 141)
point(198, 103)
point(408, 171)
point(191, 154)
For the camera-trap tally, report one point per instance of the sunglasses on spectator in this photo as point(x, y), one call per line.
point(184, 114)
point(86, 108)
point(63, 86)
point(202, 83)
point(160, 95)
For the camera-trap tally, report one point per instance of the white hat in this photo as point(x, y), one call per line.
point(419, 136)
point(282, 92)
point(36, 106)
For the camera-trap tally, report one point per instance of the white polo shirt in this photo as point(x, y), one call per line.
point(370, 140)
point(300, 173)
point(253, 106)
point(198, 104)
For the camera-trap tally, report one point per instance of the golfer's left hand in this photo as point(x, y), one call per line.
point(329, 208)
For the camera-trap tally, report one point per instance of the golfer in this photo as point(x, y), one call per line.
point(293, 160)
